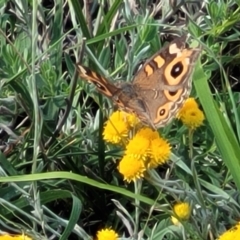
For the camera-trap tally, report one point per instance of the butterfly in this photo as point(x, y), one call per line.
point(158, 89)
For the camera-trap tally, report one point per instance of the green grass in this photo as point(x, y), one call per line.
point(58, 176)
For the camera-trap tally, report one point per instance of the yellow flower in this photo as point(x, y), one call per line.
point(138, 147)
point(132, 119)
point(182, 211)
point(107, 234)
point(190, 114)
point(148, 133)
point(160, 152)
point(231, 234)
point(147, 145)
point(116, 128)
point(16, 237)
point(131, 168)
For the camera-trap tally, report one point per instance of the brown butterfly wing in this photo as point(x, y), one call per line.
point(122, 96)
point(103, 85)
point(164, 81)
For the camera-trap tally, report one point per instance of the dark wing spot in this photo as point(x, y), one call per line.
point(172, 93)
point(177, 70)
point(162, 112)
point(100, 87)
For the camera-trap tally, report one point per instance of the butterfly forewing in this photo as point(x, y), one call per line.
point(103, 85)
point(164, 82)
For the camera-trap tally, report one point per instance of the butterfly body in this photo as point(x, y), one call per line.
point(160, 87)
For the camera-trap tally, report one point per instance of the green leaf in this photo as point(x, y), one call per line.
point(225, 138)
point(76, 177)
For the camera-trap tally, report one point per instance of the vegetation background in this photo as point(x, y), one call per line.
point(58, 176)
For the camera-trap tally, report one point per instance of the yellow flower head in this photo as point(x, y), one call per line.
point(131, 168)
point(147, 145)
point(182, 210)
point(138, 147)
point(190, 114)
point(159, 152)
point(148, 133)
point(107, 234)
point(132, 119)
point(16, 237)
point(116, 128)
point(231, 234)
